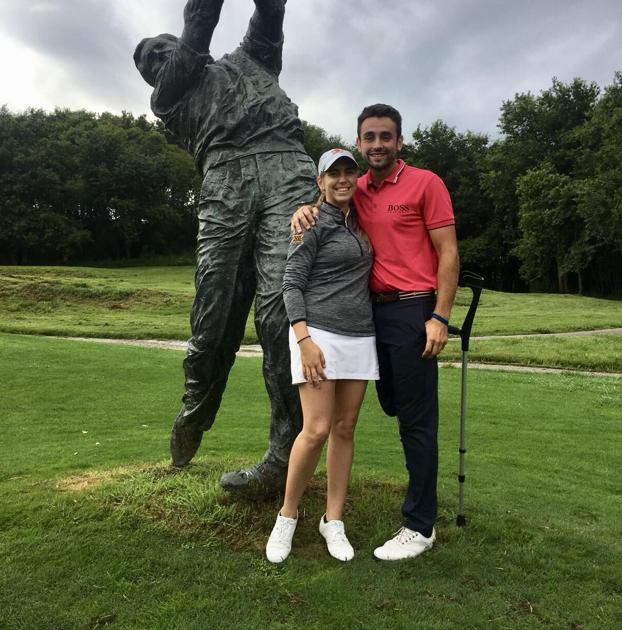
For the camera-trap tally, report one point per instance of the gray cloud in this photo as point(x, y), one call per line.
point(451, 59)
point(81, 38)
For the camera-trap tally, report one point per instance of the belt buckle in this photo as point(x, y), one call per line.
point(385, 298)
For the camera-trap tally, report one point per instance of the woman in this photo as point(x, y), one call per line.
point(333, 352)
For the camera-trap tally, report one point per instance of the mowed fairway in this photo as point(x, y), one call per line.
point(97, 530)
point(154, 303)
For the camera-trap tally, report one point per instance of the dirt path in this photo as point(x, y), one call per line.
point(255, 351)
point(168, 344)
point(508, 367)
point(575, 333)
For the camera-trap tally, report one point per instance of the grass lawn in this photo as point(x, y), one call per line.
point(154, 303)
point(598, 353)
point(97, 531)
point(135, 302)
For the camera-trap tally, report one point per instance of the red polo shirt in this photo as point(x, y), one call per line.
point(397, 216)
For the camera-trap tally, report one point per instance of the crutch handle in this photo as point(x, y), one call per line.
point(475, 282)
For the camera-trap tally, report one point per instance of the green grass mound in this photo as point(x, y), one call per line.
point(190, 504)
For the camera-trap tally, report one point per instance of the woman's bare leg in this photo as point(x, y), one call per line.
point(317, 410)
point(348, 399)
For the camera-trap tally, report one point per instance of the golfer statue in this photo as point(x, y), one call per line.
point(247, 142)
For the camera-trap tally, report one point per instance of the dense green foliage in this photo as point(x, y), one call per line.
point(317, 140)
point(78, 186)
point(539, 208)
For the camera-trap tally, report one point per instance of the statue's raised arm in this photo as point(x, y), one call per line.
point(264, 38)
point(200, 20)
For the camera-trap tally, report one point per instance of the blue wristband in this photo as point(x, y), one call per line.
point(439, 318)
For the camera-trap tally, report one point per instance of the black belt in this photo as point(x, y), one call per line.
point(397, 296)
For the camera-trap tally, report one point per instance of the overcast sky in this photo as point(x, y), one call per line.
point(456, 60)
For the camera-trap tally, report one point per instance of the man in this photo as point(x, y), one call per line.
point(407, 214)
point(247, 141)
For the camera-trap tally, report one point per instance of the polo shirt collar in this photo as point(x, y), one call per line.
point(389, 179)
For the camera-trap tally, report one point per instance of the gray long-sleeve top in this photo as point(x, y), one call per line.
point(326, 276)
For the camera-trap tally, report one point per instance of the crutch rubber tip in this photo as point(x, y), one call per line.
point(461, 520)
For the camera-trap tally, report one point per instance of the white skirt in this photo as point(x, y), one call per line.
point(346, 357)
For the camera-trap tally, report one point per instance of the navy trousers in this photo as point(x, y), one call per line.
point(408, 389)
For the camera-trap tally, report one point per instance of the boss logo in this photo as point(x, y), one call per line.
point(400, 208)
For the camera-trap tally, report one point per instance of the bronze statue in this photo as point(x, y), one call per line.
point(247, 141)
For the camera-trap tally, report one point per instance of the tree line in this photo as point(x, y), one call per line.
point(76, 186)
point(539, 208)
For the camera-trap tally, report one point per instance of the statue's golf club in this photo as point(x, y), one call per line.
point(476, 283)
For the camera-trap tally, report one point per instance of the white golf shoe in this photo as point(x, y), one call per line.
point(334, 533)
point(405, 544)
point(280, 542)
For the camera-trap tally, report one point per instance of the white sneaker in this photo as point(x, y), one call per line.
point(405, 544)
point(339, 546)
point(280, 542)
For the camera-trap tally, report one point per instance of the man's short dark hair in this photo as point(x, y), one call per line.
point(379, 110)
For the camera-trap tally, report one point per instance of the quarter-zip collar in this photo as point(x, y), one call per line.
point(334, 211)
point(337, 214)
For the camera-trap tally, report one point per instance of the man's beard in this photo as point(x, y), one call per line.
point(387, 159)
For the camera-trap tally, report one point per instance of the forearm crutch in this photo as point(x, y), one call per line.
point(476, 283)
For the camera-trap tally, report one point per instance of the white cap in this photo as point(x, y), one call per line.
point(331, 156)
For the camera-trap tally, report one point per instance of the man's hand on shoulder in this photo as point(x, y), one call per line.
point(436, 338)
point(304, 219)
